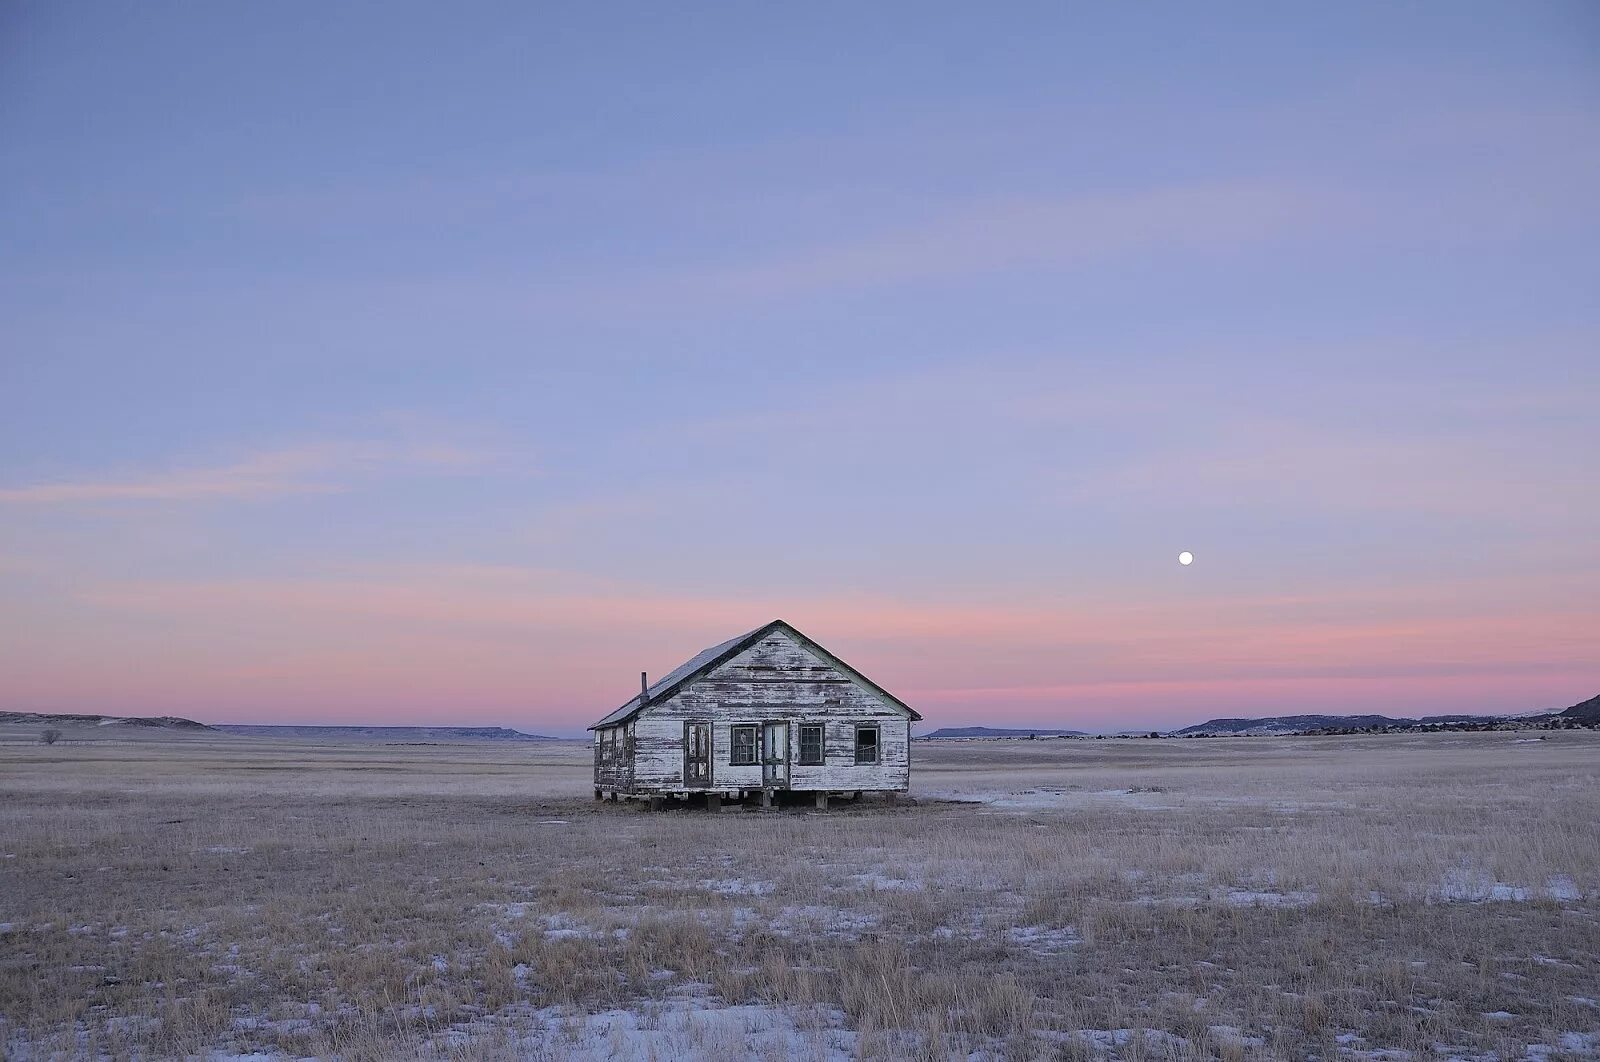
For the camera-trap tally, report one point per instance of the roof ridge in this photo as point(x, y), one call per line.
point(708, 658)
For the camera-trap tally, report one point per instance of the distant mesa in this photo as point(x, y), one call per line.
point(405, 734)
point(998, 732)
point(408, 734)
point(1288, 724)
point(163, 722)
point(1584, 714)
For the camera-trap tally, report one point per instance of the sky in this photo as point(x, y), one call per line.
point(452, 364)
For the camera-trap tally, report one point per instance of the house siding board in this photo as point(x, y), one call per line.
point(775, 678)
point(613, 761)
point(658, 752)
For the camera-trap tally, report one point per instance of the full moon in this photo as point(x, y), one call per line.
point(1186, 557)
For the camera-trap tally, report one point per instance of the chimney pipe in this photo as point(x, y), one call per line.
point(644, 690)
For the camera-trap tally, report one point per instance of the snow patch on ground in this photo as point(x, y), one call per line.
point(1156, 1041)
point(565, 927)
point(736, 918)
point(971, 928)
point(1376, 1054)
point(511, 910)
point(1562, 887)
point(1057, 796)
point(738, 887)
point(1252, 898)
point(691, 1027)
point(1469, 886)
point(1230, 1036)
point(1583, 1045)
point(1459, 885)
point(875, 882)
point(1043, 940)
point(811, 920)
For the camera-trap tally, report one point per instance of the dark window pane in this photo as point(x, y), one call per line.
point(744, 746)
point(866, 744)
point(811, 745)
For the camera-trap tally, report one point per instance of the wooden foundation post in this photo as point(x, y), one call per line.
point(598, 795)
point(612, 796)
point(655, 803)
point(713, 801)
point(822, 801)
point(766, 798)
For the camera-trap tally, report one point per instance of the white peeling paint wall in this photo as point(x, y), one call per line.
point(775, 679)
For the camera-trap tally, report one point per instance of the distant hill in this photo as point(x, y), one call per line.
point(1588, 710)
point(998, 732)
point(1282, 724)
point(1300, 724)
point(165, 722)
point(384, 733)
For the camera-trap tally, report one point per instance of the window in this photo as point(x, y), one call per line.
point(811, 752)
point(866, 744)
point(744, 747)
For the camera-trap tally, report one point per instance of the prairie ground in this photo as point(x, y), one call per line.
point(1377, 897)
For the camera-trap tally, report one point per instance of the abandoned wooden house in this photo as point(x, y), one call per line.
point(768, 712)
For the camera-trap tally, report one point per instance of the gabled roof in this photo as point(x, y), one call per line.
point(707, 659)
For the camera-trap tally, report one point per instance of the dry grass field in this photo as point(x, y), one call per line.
point(1333, 898)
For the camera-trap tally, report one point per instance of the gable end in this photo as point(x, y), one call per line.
point(714, 657)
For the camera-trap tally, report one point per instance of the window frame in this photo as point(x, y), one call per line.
point(755, 745)
point(822, 746)
point(877, 744)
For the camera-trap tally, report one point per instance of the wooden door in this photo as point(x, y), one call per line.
point(775, 755)
point(697, 755)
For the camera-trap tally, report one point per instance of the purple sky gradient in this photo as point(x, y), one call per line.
point(420, 365)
